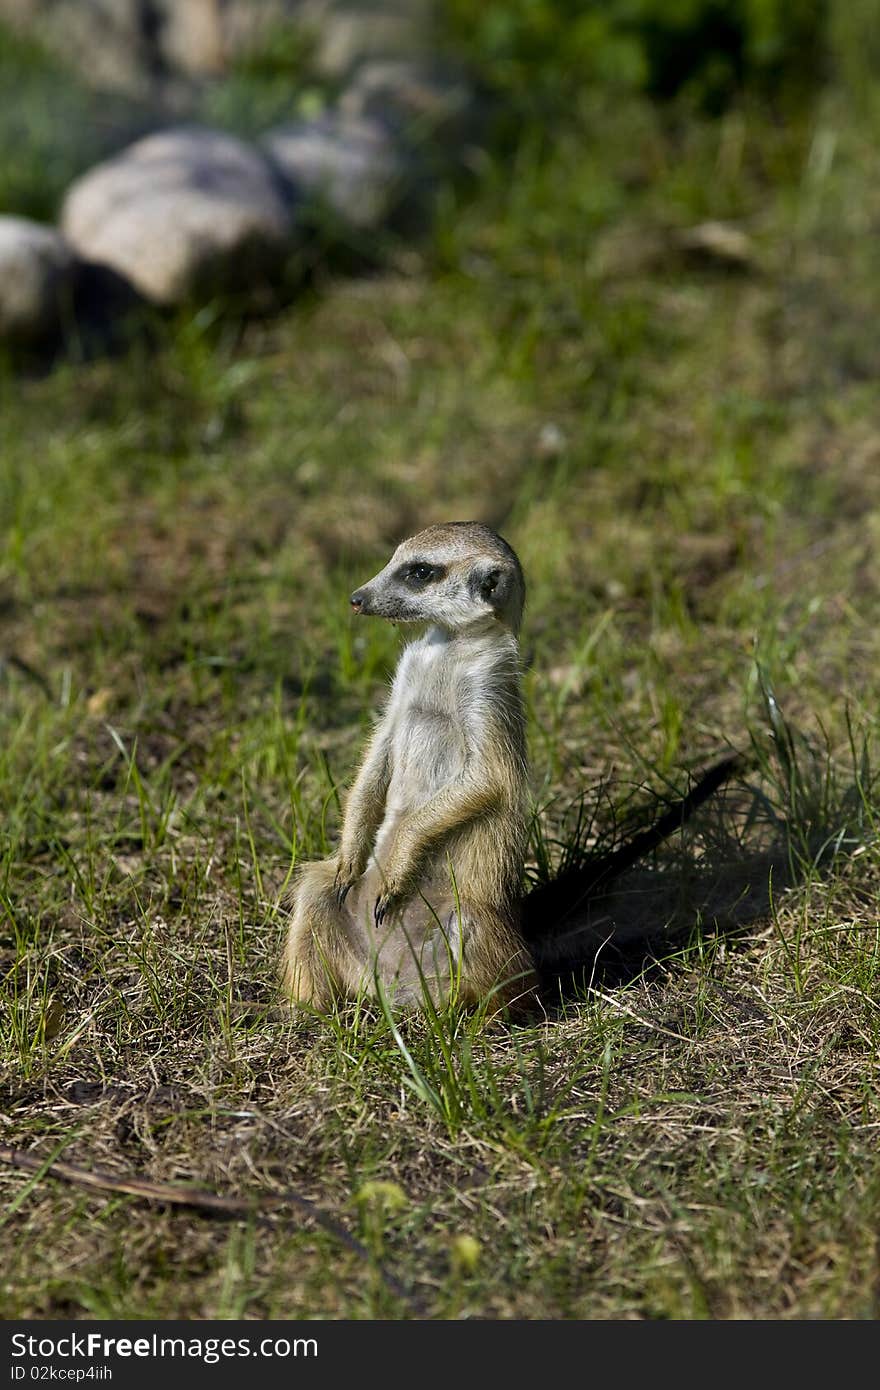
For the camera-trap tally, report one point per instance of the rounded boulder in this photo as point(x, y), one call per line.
point(38, 273)
point(183, 212)
point(350, 164)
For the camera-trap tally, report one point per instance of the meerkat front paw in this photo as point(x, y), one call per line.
point(400, 880)
point(384, 904)
point(349, 869)
point(395, 892)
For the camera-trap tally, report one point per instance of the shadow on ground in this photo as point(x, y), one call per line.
point(712, 865)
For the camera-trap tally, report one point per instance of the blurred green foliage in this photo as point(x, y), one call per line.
point(51, 128)
point(268, 82)
point(854, 38)
point(540, 51)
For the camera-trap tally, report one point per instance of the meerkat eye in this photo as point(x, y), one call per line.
point(419, 574)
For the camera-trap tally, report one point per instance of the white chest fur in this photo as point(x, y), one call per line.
point(428, 736)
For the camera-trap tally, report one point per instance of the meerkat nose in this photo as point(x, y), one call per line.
point(357, 600)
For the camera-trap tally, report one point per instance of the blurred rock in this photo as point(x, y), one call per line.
point(148, 48)
point(418, 99)
point(186, 211)
point(551, 442)
point(717, 243)
point(635, 249)
point(351, 164)
point(38, 277)
point(352, 33)
point(113, 44)
point(132, 46)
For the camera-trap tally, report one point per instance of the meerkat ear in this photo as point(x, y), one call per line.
point(493, 586)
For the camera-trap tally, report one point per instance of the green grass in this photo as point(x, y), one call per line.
point(52, 128)
point(184, 696)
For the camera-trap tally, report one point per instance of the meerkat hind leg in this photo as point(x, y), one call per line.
point(443, 950)
point(320, 956)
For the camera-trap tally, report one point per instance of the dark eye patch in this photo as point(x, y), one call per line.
point(418, 573)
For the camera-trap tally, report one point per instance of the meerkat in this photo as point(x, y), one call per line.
point(423, 894)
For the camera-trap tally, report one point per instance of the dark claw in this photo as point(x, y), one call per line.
point(380, 911)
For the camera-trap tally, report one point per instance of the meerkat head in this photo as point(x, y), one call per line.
point(456, 576)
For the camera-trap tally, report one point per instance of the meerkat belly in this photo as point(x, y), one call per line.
point(428, 753)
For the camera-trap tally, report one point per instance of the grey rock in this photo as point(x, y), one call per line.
point(156, 48)
point(351, 164)
point(419, 99)
point(204, 38)
point(38, 276)
point(182, 212)
point(351, 33)
point(110, 42)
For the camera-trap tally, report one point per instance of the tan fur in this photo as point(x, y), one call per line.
point(423, 893)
